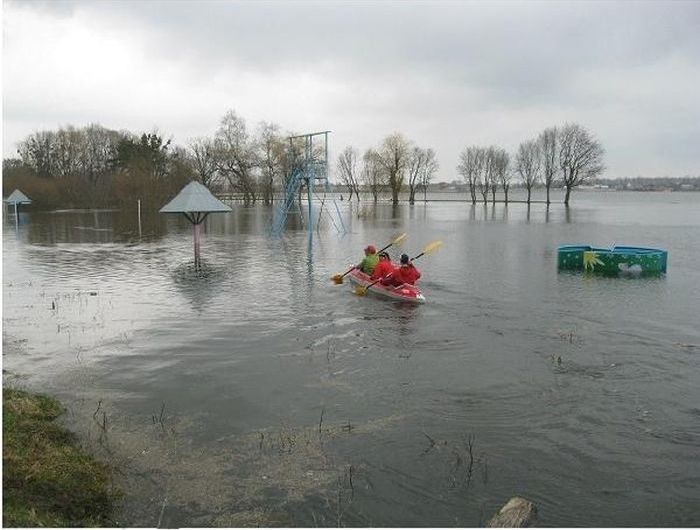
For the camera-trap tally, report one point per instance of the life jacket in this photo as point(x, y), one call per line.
point(369, 263)
point(383, 268)
point(405, 274)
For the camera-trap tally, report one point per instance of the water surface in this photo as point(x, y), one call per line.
point(257, 392)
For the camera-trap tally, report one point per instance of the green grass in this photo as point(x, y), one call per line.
point(48, 480)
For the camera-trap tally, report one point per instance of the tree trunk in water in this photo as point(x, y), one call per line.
point(548, 194)
point(412, 196)
point(529, 190)
point(566, 197)
point(506, 192)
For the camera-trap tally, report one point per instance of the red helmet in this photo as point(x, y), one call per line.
point(370, 249)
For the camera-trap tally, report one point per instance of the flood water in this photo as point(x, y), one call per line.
point(259, 393)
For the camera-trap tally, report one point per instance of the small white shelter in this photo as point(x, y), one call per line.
point(17, 197)
point(195, 202)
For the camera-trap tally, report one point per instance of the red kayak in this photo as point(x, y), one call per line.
point(404, 293)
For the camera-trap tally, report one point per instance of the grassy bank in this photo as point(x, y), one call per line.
point(47, 479)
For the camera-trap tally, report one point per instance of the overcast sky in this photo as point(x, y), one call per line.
point(446, 74)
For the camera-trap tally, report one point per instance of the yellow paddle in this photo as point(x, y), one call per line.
point(338, 278)
point(429, 249)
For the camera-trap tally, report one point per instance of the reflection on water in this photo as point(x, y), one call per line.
point(257, 392)
point(198, 283)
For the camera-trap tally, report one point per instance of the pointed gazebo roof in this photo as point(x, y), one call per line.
point(17, 197)
point(195, 202)
point(195, 198)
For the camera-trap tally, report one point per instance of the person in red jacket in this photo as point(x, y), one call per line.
point(406, 273)
point(384, 267)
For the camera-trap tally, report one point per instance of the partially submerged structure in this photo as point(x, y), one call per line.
point(309, 162)
point(195, 202)
point(16, 198)
point(612, 261)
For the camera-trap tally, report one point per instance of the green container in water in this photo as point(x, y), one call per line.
point(612, 261)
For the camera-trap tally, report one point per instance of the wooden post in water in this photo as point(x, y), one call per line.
point(139, 209)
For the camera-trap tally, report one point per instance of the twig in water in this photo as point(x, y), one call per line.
point(162, 511)
point(160, 419)
point(99, 404)
point(470, 449)
point(339, 510)
point(432, 443)
point(320, 423)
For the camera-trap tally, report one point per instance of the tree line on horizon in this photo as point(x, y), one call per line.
point(568, 154)
point(94, 166)
point(395, 164)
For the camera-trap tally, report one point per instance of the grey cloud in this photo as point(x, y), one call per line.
point(433, 64)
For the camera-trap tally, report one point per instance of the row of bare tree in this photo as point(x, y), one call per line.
point(569, 153)
point(95, 158)
point(94, 166)
point(395, 163)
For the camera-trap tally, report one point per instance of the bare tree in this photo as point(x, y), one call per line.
point(528, 163)
point(270, 158)
point(68, 143)
point(347, 171)
point(393, 158)
point(503, 174)
point(429, 169)
point(235, 155)
point(471, 161)
point(372, 174)
point(549, 155)
point(414, 167)
point(87, 154)
point(99, 151)
point(202, 155)
point(490, 175)
point(580, 157)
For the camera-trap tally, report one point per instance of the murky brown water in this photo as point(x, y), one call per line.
point(261, 393)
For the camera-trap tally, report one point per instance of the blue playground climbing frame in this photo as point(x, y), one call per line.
point(309, 163)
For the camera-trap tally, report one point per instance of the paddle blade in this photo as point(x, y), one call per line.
point(360, 291)
point(400, 239)
point(337, 279)
point(432, 247)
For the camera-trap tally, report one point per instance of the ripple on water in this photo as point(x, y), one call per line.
point(263, 337)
